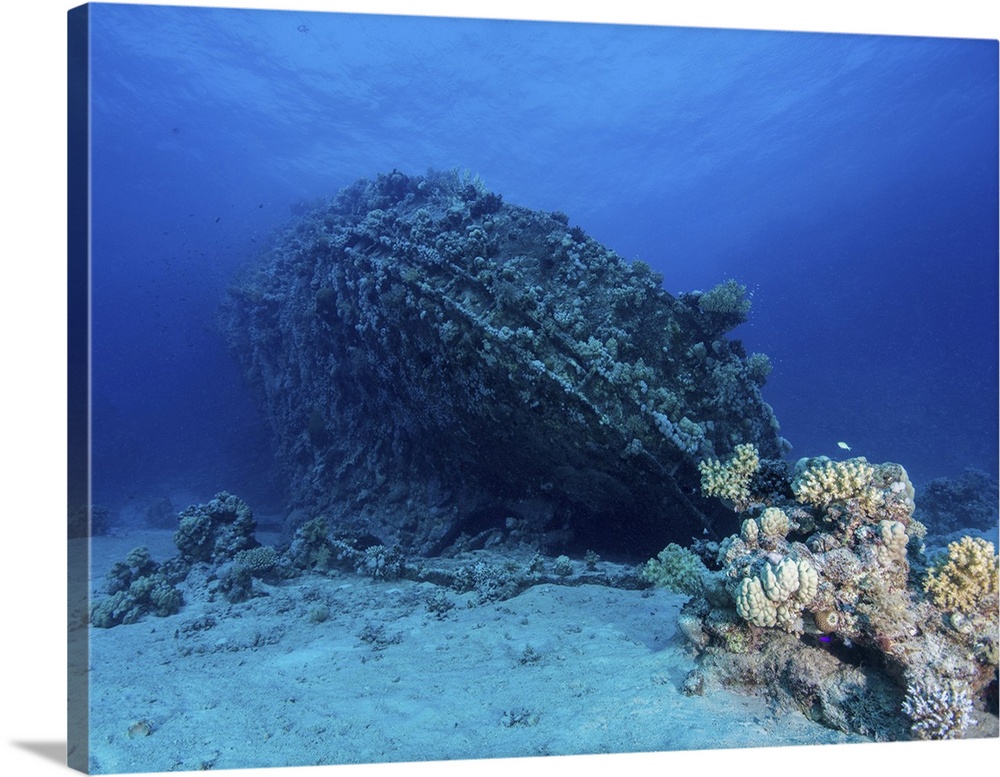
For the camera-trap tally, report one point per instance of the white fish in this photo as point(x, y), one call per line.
point(844, 446)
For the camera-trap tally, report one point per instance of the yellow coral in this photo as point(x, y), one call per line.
point(821, 483)
point(966, 577)
point(731, 480)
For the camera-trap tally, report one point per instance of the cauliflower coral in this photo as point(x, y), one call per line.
point(966, 577)
point(731, 480)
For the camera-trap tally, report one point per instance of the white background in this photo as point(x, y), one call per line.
point(32, 368)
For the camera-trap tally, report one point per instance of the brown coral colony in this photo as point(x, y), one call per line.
point(827, 620)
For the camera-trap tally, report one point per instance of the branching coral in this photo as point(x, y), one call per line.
point(727, 299)
point(258, 560)
point(676, 569)
point(731, 480)
point(967, 577)
point(820, 482)
point(937, 711)
point(758, 368)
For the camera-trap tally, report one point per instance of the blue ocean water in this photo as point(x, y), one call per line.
point(850, 182)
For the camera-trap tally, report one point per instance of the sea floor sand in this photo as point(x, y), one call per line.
point(392, 673)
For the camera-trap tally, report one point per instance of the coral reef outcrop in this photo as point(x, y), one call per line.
point(136, 587)
point(216, 531)
point(217, 538)
point(815, 601)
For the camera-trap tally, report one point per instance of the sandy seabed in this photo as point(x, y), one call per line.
point(391, 675)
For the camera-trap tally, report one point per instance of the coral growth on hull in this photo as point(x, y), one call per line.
point(442, 367)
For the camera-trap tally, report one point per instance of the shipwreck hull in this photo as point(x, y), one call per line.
point(442, 368)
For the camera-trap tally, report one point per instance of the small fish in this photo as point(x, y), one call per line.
point(843, 446)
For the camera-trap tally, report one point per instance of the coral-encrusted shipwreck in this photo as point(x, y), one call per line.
point(442, 368)
point(816, 601)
